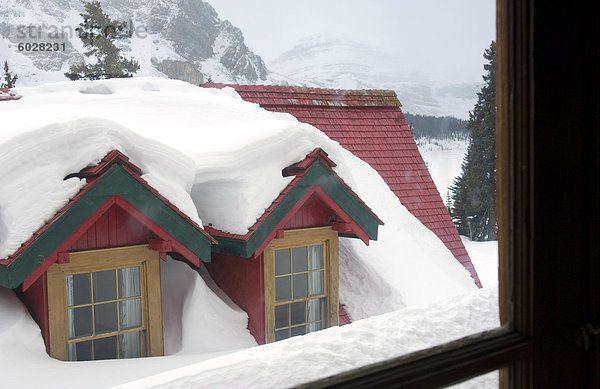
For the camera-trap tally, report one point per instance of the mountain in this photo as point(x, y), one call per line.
point(186, 39)
point(177, 38)
point(332, 61)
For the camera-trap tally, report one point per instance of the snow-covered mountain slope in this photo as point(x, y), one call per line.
point(331, 61)
point(189, 32)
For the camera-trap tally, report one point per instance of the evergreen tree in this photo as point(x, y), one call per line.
point(99, 33)
point(474, 191)
point(9, 79)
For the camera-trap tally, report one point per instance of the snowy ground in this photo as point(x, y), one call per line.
point(443, 158)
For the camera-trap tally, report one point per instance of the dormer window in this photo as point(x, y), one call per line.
point(105, 304)
point(301, 288)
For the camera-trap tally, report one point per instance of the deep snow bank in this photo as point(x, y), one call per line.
point(317, 355)
point(217, 158)
point(195, 319)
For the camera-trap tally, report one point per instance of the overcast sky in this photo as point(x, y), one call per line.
point(425, 32)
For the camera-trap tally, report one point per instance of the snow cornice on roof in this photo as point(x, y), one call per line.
point(115, 180)
point(313, 176)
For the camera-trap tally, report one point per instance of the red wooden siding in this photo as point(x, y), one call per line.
point(313, 213)
point(36, 300)
point(242, 280)
point(113, 229)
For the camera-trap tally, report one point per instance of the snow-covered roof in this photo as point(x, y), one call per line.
point(218, 159)
point(6, 95)
point(372, 126)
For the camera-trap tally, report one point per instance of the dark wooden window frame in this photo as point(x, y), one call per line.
point(548, 177)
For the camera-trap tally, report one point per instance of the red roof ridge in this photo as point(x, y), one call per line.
point(316, 155)
point(310, 96)
point(112, 158)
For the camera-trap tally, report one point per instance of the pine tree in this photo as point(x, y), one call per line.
point(99, 33)
point(474, 191)
point(9, 79)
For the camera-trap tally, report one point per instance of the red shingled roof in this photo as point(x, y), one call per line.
point(371, 125)
point(6, 94)
point(344, 318)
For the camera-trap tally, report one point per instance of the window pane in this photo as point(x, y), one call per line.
point(314, 310)
point(105, 348)
point(130, 345)
point(282, 316)
point(298, 331)
point(129, 282)
point(80, 322)
point(78, 289)
point(105, 285)
point(81, 351)
point(298, 313)
point(282, 334)
point(283, 288)
point(314, 327)
point(317, 284)
point(105, 317)
point(282, 262)
point(299, 259)
point(130, 313)
point(315, 257)
point(300, 285)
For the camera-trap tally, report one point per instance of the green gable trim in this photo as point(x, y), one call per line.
point(317, 175)
point(119, 182)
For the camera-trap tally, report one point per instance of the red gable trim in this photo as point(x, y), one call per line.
point(316, 154)
point(130, 209)
point(117, 157)
point(113, 157)
point(352, 225)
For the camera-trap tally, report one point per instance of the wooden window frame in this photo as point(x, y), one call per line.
point(299, 238)
point(107, 259)
point(549, 273)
